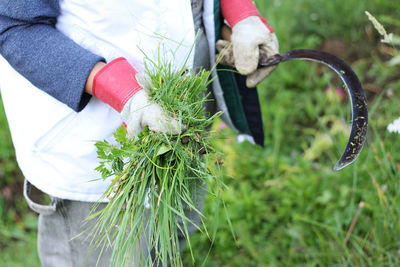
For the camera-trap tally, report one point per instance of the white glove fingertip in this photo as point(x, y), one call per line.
point(225, 56)
point(171, 126)
point(258, 76)
point(175, 127)
point(221, 44)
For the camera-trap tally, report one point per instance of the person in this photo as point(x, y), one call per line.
point(68, 79)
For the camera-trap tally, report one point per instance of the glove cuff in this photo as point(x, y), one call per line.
point(234, 11)
point(115, 83)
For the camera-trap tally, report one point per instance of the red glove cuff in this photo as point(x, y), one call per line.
point(115, 83)
point(236, 10)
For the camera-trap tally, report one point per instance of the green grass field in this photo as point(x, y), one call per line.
point(286, 204)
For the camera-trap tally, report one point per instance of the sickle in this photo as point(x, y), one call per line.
point(359, 108)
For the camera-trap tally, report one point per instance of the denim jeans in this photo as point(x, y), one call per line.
point(60, 223)
point(62, 241)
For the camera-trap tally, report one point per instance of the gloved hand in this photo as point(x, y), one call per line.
point(140, 112)
point(117, 85)
point(249, 36)
point(250, 33)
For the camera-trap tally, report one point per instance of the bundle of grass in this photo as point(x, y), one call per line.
point(156, 175)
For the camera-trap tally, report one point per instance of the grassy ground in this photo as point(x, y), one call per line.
point(287, 205)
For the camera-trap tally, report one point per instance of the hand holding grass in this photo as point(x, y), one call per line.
point(117, 85)
point(139, 112)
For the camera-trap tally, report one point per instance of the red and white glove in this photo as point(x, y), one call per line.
point(116, 85)
point(250, 32)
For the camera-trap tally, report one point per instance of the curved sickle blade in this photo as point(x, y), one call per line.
point(359, 108)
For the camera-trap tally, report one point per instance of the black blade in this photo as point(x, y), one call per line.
point(359, 108)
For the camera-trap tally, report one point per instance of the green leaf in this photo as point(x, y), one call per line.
point(103, 149)
point(120, 135)
point(163, 149)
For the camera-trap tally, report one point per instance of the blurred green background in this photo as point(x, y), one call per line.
point(287, 206)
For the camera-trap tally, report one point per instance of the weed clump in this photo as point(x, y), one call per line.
point(157, 178)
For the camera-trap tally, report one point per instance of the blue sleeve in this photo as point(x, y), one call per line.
point(50, 60)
